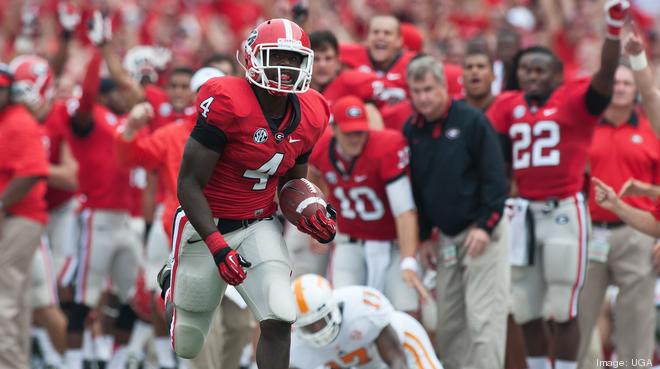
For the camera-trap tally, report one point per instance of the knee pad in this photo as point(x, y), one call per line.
point(76, 314)
point(189, 332)
point(126, 318)
point(280, 300)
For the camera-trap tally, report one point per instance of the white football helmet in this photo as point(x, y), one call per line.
point(144, 62)
point(319, 318)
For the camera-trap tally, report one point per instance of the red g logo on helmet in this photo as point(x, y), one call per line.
point(278, 35)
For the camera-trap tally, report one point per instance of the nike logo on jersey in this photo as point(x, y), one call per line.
point(292, 140)
point(549, 112)
point(361, 178)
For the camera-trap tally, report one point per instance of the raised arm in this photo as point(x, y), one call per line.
point(644, 79)
point(615, 14)
point(82, 122)
point(101, 35)
point(69, 18)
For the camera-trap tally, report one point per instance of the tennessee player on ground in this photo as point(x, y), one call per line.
point(251, 134)
point(354, 327)
point(550, 126)
point(365, 172)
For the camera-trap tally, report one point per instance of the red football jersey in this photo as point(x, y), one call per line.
point(357, 57)
point(367, 86)
point(550, 143)
point(56, 125)
point(23, 153)
point(103, 183)
point(163, 111)
point(255, 155)
point(357, 188)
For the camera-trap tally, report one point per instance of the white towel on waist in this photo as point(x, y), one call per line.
point(377, 255)
point(519, 255)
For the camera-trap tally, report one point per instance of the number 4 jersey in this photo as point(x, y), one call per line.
point(255, 151)
point(550, 143)
point(369, 190)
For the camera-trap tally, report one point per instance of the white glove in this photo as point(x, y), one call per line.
point(615, 16)
point(69, 16)
point(100, 29)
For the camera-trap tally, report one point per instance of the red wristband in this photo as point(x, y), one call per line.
point(614, 32)
point(215, 242)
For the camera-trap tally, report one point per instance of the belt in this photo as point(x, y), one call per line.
point(608, 225)
point(229, 225)
point(355, 240)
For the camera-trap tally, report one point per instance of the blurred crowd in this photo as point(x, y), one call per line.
point(193, 30)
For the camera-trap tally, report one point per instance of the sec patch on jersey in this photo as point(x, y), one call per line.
point(300, 197)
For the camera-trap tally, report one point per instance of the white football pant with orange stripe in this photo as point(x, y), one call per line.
point(416, 343)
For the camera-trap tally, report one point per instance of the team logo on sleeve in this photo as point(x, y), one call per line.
point(260, 136)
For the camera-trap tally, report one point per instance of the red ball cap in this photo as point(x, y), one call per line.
point(349, 114)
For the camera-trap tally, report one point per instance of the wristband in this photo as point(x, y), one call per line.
point(639, 61)
point(409, 263)
point(215, 242)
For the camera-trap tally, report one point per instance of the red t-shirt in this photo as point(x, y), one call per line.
point(56, 125)
point(245, 179)
point(367, 86)
point(619, 153)
point(103, 183)
point(357, 188)
point(23, 152)
point(550, 143)
point(162, 151)
point(157, 98)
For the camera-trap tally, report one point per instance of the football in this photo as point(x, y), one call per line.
point(300, 197)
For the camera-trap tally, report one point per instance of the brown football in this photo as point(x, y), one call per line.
point(300, 197)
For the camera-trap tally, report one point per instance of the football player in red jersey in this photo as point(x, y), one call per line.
point(384, 55)
point(334, 82)
point(550, 126)
point(110, 242)
point(251, 134)
point(33, 84)
point(365, 172)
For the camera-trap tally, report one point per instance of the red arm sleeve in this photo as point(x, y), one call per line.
point(90, 86)
point(147, 151)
